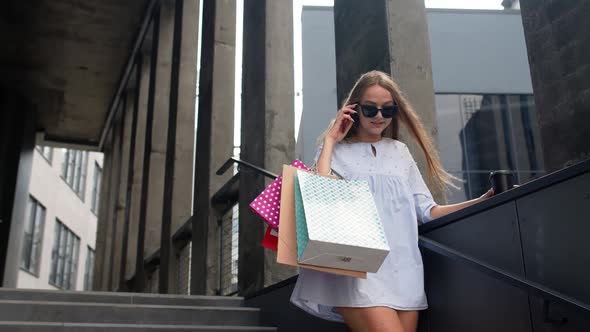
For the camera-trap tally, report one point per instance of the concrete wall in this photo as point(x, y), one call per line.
point(61, 202)
point(558, 45)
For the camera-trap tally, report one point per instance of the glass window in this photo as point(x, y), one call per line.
point(64, 257)
point(96, 188)
point(74, 170)
point(479, 133)
point(46, 152)
point(32, 236)
point(89, 269)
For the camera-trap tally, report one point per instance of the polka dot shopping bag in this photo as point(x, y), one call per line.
point(267, 205)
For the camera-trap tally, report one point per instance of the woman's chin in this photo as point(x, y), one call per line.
point(376, 132)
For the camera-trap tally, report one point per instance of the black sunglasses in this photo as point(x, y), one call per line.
point(388, 112)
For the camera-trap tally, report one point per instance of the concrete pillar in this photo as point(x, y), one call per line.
point(214, 137)
point(279, 145)
point(138, 167)
point(102, 219)
point(17, 146)
point(396, 41)
point(558, 44)
point(127, 118)
point(251, 255)
point(105, 263)
point(114, 239)
point(160, 130)
point(181, 200)
point(268, 111)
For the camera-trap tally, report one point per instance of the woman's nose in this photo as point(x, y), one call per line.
point(379, 115)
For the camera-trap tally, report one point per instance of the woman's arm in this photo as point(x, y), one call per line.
point(442, 210)
point(335, 133)
point(324, 163)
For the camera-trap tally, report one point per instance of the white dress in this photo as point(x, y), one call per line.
point(403, 200)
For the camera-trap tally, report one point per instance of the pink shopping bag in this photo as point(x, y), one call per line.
point(267, 205)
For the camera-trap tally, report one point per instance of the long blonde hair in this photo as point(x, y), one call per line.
point(437, 176)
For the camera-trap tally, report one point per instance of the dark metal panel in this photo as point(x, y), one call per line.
point(510, 195)
point(555, 227)
point(201, 205)
point(130, 171)
point(165, 239)
point(502, 275)
point(251, 254)
point(491, 236)
point(557, 317)
point(147, 149)
point(463, 299)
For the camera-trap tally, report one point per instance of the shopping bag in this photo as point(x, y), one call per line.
point(271, 239)
point(287, 246)
point(267, 204)
point(338, 224)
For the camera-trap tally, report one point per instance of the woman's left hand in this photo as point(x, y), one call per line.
point(491, 193)
point(487, 195)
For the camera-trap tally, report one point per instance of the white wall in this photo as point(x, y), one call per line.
point(61, 202)
point(319, 78)
point(478, 51)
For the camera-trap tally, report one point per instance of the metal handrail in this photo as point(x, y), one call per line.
point(233, 160)
point(500, 274)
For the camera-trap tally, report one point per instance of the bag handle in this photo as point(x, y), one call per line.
point(314, 170)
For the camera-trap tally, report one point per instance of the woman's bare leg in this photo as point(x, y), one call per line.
point(373, 319)
point(409, 320)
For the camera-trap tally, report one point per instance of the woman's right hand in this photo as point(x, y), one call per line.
point(342, 124)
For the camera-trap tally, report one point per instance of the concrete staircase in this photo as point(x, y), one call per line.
point(52, 311)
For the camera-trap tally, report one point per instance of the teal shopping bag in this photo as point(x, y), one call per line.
point(338, 224)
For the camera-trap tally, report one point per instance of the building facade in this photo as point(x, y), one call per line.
point(58, 247)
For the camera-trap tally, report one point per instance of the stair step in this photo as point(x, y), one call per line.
point(121, 298)
point(84, 312)
point(88, 327)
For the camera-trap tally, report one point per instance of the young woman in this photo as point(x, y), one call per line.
point(362, 143)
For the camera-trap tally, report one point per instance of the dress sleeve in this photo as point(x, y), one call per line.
point(423, 200)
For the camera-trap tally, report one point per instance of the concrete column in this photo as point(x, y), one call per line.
point(160, 130)
point(251, 254)
point(411, 66)
point(103, 219)
point(127, 118)
point(268, 111)
point(396, 41)
point(17, 146)
point(109, 209)
point(558, 44)
point(185, 131)
point(279, 145)
point(214, 137)
point(138, 167)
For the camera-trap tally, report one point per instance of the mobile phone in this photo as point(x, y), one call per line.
point(354, 116)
